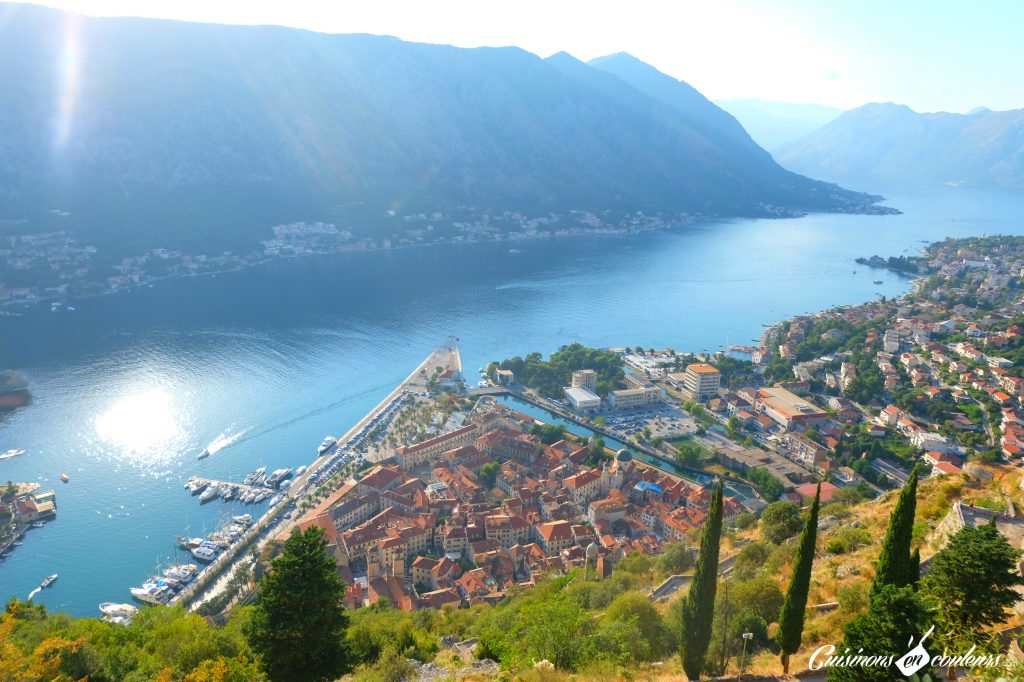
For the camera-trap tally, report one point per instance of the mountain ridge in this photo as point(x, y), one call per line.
point(184, 135)
point(888, 142)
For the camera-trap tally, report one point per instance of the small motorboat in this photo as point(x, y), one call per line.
point(48, 581)
point(64, 477)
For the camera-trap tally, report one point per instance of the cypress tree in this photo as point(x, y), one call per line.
point(893, 567)
point(699, 607)
point(915, 567)
point(791, 617)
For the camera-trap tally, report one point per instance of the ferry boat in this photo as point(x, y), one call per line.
point(326, 445)
point(48, 581)
point(10, 454)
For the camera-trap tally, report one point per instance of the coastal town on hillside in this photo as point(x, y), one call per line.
point(477, 498)
point(455, 492)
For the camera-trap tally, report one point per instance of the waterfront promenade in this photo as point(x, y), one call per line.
point(447, 357)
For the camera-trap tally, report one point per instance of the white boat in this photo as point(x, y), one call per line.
point(152, 593)
point(204, 454)
point(48, 581)
point(326, 444)
point(206, 552)
point(116, 620)
point(197, 487)
point(113, 609)
point(38, 524)
point(301, 470)
point(183, 573)
point(254, 476)
point(210, 493)
point(274, 500)
point(10, 454)
point(242, 519)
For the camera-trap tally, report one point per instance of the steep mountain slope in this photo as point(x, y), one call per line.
point(773, 124)
point(893, 142)
point(156, 133)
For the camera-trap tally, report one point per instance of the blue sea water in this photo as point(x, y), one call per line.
point(129, 388)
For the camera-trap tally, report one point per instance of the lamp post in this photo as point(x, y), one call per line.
point(747, 636)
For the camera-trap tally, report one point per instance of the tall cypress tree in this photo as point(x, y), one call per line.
point(699, 606)
point(915, 567)
point(893, 566)
point(791, 617)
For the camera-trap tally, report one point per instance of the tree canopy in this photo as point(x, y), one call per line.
point(299, 624)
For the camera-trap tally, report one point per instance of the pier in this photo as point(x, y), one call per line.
point(447, 357)
point(241, 488)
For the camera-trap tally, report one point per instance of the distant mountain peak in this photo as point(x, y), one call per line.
point(890, 142)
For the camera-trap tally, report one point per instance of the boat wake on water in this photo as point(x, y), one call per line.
point(34, 593)
point(222, 441)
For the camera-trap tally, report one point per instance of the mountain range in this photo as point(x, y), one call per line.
point(773, 124)
point(893, 143)
point(140, 133)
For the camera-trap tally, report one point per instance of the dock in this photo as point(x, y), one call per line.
point(240, 487)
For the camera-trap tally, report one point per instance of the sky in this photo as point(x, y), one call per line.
point(932, 55)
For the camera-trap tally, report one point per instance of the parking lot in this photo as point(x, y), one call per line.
point(665, 421)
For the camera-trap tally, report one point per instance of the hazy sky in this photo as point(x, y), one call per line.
point(930, 54)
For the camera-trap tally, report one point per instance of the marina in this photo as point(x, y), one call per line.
point(257, 487)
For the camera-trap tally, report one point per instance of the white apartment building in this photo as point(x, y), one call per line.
point(585, 378)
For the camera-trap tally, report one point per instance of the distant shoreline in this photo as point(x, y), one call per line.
point(10, 308)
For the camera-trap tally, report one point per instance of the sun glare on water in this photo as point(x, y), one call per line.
point(143, 426)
